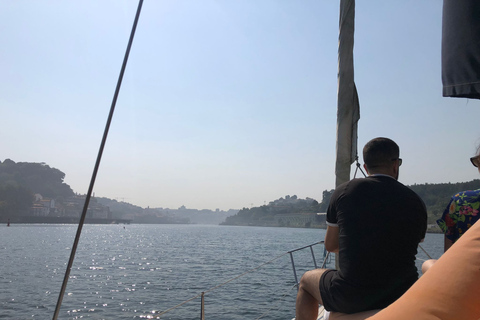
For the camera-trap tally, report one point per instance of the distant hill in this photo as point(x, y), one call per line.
point(19, 181)
point(437, 196)
point(293, 212)
point(124, 210)
point(283, 212)
point(36, 177)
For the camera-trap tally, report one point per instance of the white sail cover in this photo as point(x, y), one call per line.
point(461, 48)
point(348, 110)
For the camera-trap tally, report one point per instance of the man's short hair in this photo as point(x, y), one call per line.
point(380, 152)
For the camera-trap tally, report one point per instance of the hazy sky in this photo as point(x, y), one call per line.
point(225, 103)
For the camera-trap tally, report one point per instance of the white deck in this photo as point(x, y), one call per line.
point(322, 313)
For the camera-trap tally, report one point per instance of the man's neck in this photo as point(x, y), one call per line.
point(381, 174)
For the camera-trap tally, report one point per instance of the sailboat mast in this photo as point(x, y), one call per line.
point(348, 111)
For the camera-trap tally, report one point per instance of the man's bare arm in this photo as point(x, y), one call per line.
point(331, 239)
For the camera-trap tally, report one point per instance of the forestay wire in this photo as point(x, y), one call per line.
point(97, 164)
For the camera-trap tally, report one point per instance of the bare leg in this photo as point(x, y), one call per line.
point(308, 297)
point(427, 264)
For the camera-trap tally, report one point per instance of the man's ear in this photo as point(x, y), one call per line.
point(396, 168)
point(365, 167)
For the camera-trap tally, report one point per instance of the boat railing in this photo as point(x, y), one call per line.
point(325, 258)
point(291, 252)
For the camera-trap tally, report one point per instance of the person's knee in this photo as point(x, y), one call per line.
point(427, 265)
point(307, 279)
point(310, 283)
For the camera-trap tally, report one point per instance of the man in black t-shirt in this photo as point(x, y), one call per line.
point(375, 225)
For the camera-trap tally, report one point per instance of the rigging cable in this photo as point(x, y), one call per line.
point(97, 164)
point(221, 284)
point(283, 297)
point(358, 168)
point(429, 257)
point(325, 261)
point(241, 275)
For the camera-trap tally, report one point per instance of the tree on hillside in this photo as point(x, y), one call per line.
point(37, 177)
point(20, 181)
point(15, 200)
point(326, 195)
point(265, 214)
point(437, 196)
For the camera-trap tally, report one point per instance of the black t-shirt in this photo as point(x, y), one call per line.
point(381, 222)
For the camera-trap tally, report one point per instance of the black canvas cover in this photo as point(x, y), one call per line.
point(461, 48)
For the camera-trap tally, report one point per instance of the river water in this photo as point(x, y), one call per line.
point(140, 271)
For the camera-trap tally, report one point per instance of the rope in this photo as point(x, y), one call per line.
point(429, 257)
point(422, 259)
point(359, 167)
point(179, 305)
point(249, 271)
point(222, 284)
point(325, 261)
point(266, 312)
point(97, 165)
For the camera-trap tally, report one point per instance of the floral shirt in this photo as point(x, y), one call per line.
point(461, 213)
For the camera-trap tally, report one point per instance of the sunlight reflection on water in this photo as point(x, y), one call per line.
point(142, 270)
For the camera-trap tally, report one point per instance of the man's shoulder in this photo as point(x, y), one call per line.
point(349, 186)
point(388, 184)
point(374, 179)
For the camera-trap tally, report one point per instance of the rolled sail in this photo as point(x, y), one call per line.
point(461, 49)
point(348, 110)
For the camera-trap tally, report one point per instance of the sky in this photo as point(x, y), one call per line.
point(225, 103)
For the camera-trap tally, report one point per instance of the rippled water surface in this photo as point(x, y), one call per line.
point(140, 271)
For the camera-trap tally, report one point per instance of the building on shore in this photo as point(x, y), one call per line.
point(70, 207)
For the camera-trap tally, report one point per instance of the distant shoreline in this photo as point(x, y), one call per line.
point(72, 220)
point(59, 220)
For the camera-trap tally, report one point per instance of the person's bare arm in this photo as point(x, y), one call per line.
point(331, 239)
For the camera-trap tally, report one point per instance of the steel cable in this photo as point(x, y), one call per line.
point(97, 164)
